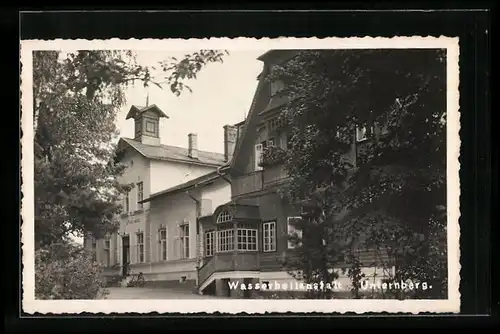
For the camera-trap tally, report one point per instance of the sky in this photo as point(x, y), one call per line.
point(222, 94)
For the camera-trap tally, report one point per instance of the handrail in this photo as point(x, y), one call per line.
point(203, 275)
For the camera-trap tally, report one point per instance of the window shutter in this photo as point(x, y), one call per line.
point(176, 247)
point(158, 244)
point(258, 156)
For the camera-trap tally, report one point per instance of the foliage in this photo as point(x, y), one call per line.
point(355, 274)
point(272, 155)
point(65, 271)
point(76, 97)
point(395, 180)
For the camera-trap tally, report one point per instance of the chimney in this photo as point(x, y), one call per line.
point(192, 146)
point(230, 136)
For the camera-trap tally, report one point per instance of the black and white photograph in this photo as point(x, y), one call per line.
point(245, 175)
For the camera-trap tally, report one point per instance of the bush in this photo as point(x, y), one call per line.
point(64, 271)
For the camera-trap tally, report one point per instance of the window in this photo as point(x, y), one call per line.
point(275, 123)
point(107, 253)
point(127, 202)
point(209, 243)
point(362, 133)
point(184, 239)
point(151, 127)
point(140, 247)
point(137, 127)
point(269, 236)
point(247, 239)
point(270, 142)
point(258, 156)
point(163, 244)
point(276, 87)
point(224, 217)
point(140, 194)
point(292, 230)
point(225, 240)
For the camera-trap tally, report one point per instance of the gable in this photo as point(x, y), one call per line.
point(261, 104)
point(244, 147)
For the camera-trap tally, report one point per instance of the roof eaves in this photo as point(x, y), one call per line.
point(194, 162)
point(134, 147)
point(245, 126)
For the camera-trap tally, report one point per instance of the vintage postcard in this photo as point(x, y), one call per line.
point(240, 175)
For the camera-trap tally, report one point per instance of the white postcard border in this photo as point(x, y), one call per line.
point(450, 305)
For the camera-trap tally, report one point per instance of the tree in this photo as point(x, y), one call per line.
point(387, 192)
point(66, 271)
point(76, 168)
point(76, 97)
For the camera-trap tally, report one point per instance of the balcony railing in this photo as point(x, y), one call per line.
point(272, 155)
point(225, 262)
point(247, 183)
point(274, 174)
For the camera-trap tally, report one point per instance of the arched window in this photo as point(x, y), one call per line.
point(224, 216)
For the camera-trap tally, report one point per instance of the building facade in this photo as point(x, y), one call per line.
point(153, 168)
point(247, 239)
point(174, 215)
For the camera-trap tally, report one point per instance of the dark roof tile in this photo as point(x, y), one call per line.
point(174, 153)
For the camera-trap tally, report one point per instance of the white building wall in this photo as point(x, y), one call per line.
point(166, 174)
point(170, 211)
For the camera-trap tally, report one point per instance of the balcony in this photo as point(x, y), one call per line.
point(272, 155)
point(274, 174)
point(222, 262)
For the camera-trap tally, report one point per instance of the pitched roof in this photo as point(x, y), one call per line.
point(250, 123)
point(134, 110)
point(276, 101)
point(174, 153)
point(198, 182)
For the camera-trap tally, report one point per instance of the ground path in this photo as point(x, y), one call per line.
point(152, 293)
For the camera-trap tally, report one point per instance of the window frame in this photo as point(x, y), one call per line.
point(152, 123)
point(270, 239)
point(163, 243)
point(209, 243)
point(184, 241)
point(140, 194)
point(365, 133)
point(226, 235)
point(224, 217)
point(140, 247)
point(259, 155)
point(247, 234)
point(107, 252)
point(276, 87)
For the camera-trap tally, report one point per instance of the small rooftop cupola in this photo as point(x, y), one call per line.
point(147, 123)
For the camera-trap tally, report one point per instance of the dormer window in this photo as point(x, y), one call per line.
point(275, 124)
point(224, 217)
point(276, 87)
point(147, 120)
point(151, 127)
